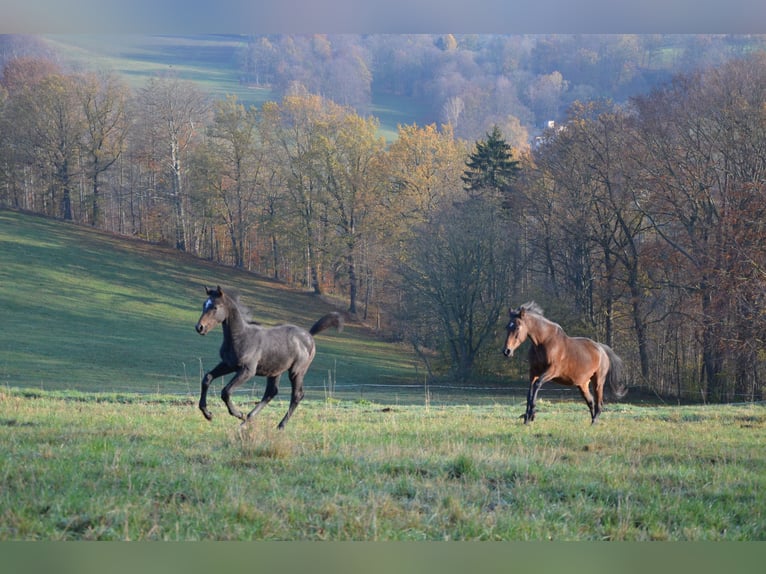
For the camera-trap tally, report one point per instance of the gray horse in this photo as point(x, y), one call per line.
point(251, 350)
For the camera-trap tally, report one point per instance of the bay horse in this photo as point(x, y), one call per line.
point(250, 350)
point(555, 356)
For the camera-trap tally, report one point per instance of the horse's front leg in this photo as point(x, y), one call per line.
point(219, 370)
point(243, 374)
point(534, 386)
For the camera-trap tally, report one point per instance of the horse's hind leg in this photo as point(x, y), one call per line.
point(272, 388)
point(296, 378)
point(592, 405)
point(599, 401)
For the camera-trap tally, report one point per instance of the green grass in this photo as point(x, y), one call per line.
point(128, 467)
point(87, 311)
point(212, 62)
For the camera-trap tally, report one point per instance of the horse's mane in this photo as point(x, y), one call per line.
point(244, 310)
point(535, 309)
point(532, 307)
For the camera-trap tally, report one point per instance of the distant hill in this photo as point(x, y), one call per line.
point(85, 310)
point(211, 61)
point(519, 82)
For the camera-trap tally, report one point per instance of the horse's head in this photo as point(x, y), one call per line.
point(213, 311)
point(517, 331)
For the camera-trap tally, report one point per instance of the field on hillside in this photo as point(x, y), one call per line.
point(87, 311)
point(128, 467)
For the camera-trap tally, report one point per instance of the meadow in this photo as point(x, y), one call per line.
point(100, 437)
point(130, 467)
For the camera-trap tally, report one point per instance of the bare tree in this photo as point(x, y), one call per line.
point(103, 99)
point(456, 283)
point(174, 112)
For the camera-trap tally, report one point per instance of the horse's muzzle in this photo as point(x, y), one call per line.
point(201, 329)
point(508, 352)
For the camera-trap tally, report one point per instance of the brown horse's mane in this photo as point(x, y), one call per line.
point(535, 309)
point(532, 307)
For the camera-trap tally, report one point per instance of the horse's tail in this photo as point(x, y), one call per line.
point(614, 374)
point(333, 319)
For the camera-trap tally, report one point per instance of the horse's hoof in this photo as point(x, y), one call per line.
point(207, 414)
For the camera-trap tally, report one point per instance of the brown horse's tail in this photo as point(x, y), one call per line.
point(333, 319)
point(614, 374)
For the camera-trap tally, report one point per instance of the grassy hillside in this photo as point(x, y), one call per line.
point(209, 61)
point(87, 311)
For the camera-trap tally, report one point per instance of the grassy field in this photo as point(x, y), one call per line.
point(100, 437)
point(129, 467)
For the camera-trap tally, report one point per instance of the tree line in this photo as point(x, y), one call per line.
point(639, 224)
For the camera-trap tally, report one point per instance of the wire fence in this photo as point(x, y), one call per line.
point(413, 394)
point(383, 393)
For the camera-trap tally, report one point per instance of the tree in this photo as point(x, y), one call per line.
point(103, 99)
point(52, 135)
point(234, 141)
point(173, 113)
point(704, 138)
point(599, 227)
point(424, 167)
point(490, 167)
point(353, 159)
point(490, 173)
point(455, 282)
point(292, 133)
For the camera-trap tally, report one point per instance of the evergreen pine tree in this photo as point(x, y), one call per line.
point(490, 167)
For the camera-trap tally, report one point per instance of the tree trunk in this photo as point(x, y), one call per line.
point(352, 284)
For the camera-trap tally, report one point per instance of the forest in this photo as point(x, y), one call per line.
point(635, 217)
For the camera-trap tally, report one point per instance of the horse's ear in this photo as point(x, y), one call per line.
point(521, 312)
point(219, 292)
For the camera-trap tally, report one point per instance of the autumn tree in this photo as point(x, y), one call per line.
point(173, 113)
point(352, 158)
point(704, 137)
point(233, 134)
point(103, 99)
point(424, 167)
point(596, 228)
point(48, 128)
point(293, 134)
point(455, 282)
